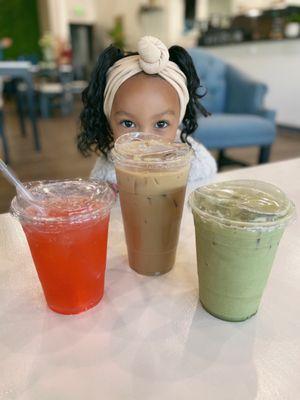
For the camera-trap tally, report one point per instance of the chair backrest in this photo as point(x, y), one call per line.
point(212, 73)
point(66, 74)
point(33, 58)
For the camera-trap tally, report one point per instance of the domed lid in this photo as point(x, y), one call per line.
point(147, 149)
point(65, 200)
point(243, 203)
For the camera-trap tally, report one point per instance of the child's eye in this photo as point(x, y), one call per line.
point(161, 124)
point(127, 124)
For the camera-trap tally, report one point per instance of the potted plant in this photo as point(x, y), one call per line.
point(47, 44)
point(292, 28)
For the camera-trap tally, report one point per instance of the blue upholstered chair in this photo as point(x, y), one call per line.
point(236, 103)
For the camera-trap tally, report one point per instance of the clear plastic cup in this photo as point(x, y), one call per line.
point(68, 240)
point(152, 175)
point(238, 227)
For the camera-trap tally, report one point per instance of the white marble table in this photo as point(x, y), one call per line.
point(149, 338)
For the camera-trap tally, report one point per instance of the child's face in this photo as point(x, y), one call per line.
point(145, 103)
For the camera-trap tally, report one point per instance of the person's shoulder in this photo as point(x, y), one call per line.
point(200, 150)
point(197, 146)
point(103, 169)
point(203, 165)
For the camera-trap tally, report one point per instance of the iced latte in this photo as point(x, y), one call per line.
point(152, 176)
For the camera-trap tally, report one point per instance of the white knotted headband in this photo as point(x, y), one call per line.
point(152, 58)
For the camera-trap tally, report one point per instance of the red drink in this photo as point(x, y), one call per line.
point(68, 242)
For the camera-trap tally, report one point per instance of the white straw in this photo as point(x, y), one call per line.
point(11, 177)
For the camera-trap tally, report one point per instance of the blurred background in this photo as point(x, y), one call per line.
point(246, 52)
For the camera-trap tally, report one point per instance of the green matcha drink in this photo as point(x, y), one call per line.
point(238, 226)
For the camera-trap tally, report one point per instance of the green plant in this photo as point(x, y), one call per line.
point(19, 21)
point(117, 33)
point(294, 18)
point(46, 40)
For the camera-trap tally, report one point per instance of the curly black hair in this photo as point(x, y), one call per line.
point(95, 133)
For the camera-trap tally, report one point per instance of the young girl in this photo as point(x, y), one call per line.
point(152, 91)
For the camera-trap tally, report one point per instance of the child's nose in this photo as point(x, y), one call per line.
point(147, 128)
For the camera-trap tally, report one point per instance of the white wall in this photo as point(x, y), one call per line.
point(206, 7)
point(107, 12)
point(244, 5)
point(223, 7)
point(56, 15)
point(275, 63)
point(202, 9)
point(171, 28)
point(80, 12)
point(43, 15)
point(58, 18)
point(175, 13)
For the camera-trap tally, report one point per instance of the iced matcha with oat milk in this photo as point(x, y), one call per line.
point(238, 227)
point(152, 175)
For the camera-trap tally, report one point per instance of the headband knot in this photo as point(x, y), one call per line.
point(152, 58)
point(154, 55)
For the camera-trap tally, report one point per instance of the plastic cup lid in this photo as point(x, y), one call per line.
point(243, 203)
point(145, 149)
point(66, 200)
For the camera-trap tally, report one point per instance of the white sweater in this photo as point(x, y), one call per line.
point(203, 167)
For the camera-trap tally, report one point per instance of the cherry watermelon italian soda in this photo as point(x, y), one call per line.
point(67, 236)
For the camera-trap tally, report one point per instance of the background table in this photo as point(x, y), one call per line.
point(22, 70)
point(149, 338)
